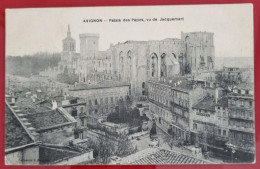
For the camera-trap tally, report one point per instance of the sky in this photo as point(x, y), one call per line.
point(33, 30)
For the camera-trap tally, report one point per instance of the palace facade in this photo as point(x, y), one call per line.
point(137, 62)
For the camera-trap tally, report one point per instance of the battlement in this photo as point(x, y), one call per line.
point(85, 35)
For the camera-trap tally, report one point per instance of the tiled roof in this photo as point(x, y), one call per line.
point(222, 102)
point(99, 85)
point(46, 119)
point(15, 134)
point(27, 105)
point(50, 154)
point(207, 103)
point(168, 157)
point(245, 86)
point(179, 83)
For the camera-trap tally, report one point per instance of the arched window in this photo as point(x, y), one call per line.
point(163, 65)
point(121, 66)
point(202, 62)
point(129, 65)
point(195, 126)
point(143, 85)
point(154, 65)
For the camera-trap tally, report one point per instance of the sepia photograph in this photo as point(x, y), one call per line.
point(139, 85)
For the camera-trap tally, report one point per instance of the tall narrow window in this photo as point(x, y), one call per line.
point(163, 65)
point(154, 65)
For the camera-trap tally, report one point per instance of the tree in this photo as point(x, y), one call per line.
point(66, 72)
point(31, 64)
point(122, 111)
point(103, 148)
point(125, 146)
point(113, 118)
point(106, 149)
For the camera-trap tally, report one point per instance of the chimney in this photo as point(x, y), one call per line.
point(54, 105)
point(218, 93)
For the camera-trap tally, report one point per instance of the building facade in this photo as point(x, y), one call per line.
point(100, 98)
point(137, 62)
point(171, 101)
point(241, 123)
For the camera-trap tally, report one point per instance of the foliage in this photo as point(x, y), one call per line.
point(31, 64)
point(65, 77)
point(104, 148)
point(125, 114)
point(124, 147)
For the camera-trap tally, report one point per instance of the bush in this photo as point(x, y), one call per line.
point(67, 78)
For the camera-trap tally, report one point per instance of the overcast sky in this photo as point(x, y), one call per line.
point(42, 30)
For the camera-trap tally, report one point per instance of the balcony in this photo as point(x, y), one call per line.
point(186, 119)
point(173, 104)
point(242, 129)
point(239, 107)
point(234, 116)
point(159, 104)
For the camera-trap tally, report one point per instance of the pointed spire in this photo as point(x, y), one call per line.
point(68, 32)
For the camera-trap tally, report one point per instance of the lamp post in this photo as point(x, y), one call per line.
point(233, 151)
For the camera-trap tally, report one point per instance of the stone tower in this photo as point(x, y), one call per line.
point(89, 45)
point(69, 44)
point(199, 52)
point(68, 52)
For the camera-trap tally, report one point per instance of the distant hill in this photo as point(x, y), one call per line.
point(241, 62)
point(31, 64)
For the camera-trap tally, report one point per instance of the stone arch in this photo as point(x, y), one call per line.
point(154, 65)
point(187, 38)
point(129, 65)
point(121, 65)
point(163, 71)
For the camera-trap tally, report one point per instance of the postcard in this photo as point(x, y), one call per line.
point(130, 85)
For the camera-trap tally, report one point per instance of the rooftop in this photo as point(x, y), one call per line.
point(171, 39)
point(245, 86)
point(179, 82)
point(161, 156)
point(47, 119)
point(134, 41)
point(69, 39)
point(82, 35)
point(27, 104)
point(222, 102)
point(52, 154)
point(99, 85)
point(15, 133)
point(207, 103)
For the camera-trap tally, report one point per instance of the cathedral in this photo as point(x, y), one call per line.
point(137, 62)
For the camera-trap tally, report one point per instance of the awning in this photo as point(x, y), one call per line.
point(212, 146)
